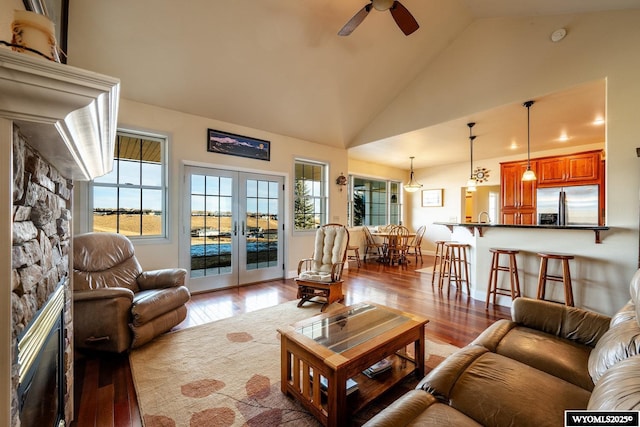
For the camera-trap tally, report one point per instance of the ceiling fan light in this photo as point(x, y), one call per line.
point(382, 5)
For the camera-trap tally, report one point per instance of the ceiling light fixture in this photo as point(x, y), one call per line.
point(471, 183)
point(528, 175)
point(412, 185)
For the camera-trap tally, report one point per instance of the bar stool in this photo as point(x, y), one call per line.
point(512, 268)
point(437, 261)
point(454, 265)
point(565, 278)
point(356, 254)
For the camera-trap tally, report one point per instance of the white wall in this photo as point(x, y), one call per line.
point(187, 135)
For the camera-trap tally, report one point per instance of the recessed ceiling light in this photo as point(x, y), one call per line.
point(563, 137)
point(513, 145)
point(598, 121)
point(558, 35)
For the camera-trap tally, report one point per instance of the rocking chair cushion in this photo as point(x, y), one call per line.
point(330, 246)
point(315, 276)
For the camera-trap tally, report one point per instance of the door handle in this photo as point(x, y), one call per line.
point(235, 228)
point(243, 228)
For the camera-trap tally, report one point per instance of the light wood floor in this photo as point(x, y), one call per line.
point(104, 392)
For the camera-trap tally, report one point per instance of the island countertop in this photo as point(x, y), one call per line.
point(478, 227)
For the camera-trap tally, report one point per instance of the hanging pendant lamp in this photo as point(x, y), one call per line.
point(412, 185)
point(471, 183)
point(528, 175)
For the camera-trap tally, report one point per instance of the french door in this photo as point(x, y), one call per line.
point(235, 228)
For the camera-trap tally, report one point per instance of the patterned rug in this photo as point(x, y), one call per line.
point(227, 373)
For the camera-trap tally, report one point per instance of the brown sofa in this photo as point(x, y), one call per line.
point(526, 372)
point(117, 305)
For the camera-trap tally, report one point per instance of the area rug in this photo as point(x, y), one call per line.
point(224, 373)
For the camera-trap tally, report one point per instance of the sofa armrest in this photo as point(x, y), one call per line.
point(160, 279)
point(404, 410)
point(102, 294)
point(441, 380)
point(576, 324)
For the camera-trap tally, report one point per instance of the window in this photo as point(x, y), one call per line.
point(310, 195)
point(374, 202)
point(131, 199)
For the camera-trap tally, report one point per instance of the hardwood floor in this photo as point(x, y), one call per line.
point(104, 392)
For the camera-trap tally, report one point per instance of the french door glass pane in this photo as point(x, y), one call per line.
point(262, 224)
point(211, 225)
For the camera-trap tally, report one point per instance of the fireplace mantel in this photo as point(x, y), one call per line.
point(69, 117)
point(71, 112)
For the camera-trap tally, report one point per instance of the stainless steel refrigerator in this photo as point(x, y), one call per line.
point(573, 205)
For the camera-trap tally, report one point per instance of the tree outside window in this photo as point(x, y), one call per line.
point(309, 198)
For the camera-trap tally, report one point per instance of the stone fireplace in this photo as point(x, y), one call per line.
point(57, 126)
point(40, 268)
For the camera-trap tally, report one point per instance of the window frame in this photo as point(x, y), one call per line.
point(163, 187)
point(322, 199)
point(389, 184)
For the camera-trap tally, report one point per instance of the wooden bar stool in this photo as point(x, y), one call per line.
point(355, 255)
point(565, 278)
point(437, 261)
point(512, 269)
point(455, 267)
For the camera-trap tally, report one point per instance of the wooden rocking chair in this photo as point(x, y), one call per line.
point(320, 277)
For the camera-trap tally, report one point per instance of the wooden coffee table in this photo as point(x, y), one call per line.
point(340, 345)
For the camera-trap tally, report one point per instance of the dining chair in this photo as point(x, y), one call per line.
point(397, 244)
point(415, 244)
point(370, 243)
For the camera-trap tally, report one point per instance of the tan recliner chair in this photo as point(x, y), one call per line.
point(117, 306)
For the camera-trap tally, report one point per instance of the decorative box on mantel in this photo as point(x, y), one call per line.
point(64, 119)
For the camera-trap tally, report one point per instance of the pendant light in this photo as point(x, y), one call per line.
point(412, 185)
point(528, 175)
point(471, 183)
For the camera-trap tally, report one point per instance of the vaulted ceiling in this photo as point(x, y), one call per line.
point(279, 65)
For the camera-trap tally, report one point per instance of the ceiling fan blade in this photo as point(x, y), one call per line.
point(355, 21)
point(403, 18)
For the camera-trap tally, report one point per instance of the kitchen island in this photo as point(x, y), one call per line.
point(594, 270)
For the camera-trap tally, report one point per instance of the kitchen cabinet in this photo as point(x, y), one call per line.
point(518, 197)
point(577, 169)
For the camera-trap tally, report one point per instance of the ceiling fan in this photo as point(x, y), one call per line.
point(401, 15)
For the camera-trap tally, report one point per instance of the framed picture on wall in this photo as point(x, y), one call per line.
point(432, 198)
point(238, 145)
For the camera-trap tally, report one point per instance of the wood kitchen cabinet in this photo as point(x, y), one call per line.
point(577, 169)
point(518, 197)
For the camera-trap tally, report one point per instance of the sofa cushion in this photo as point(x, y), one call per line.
point(618, 343)
point(619, 388)
point(559, 357)
point(513, 394)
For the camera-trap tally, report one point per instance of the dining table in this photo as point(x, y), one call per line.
point(387, 241)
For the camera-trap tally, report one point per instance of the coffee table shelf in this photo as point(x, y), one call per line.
point(307, 351)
